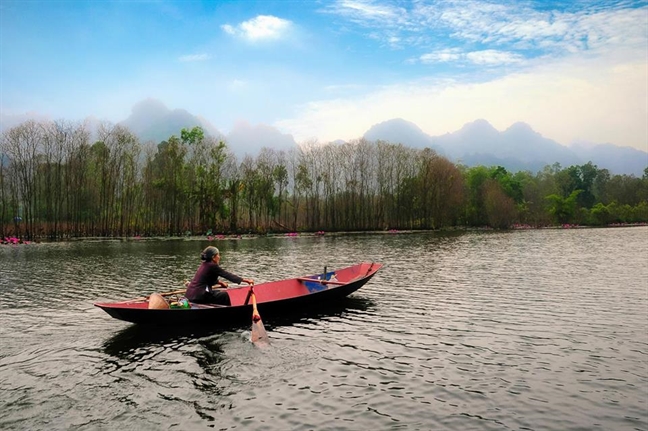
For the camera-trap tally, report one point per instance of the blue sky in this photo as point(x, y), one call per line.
point(573, 70)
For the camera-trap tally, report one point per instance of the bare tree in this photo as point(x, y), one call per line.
point(22, 145)
point(233, 188)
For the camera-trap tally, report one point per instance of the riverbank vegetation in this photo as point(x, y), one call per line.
point(57, 183)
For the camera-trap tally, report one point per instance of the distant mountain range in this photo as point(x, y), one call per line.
point(478, 143)
point(517, 148)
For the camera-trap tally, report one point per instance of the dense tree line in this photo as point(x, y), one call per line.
point(56, 182)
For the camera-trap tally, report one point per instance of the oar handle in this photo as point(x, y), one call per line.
point(258, 333)
point(255, 313)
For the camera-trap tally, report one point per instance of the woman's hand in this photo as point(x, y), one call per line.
point(222, 284)
point(248, 281)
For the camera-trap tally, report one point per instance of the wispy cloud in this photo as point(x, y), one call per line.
point(262, 27)
point(516, 26)
point(493, 57)
point(442, 56)
point(368, 11)
point(487, 57)
point(389, 23)
point(193, 57)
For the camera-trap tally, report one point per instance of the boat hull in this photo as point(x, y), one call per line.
point(273, 298)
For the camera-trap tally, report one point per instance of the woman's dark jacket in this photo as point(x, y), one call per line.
point(206, 277)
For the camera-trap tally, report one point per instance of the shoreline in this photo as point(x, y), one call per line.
point(9, 241)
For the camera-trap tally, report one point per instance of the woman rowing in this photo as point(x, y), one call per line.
point(200, 289)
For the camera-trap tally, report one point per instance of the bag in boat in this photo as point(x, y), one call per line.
point(157, 302)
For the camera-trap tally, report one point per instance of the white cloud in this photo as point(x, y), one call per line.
point(488, 57)
point(193, 57)
point(493, 57)
point(391, 25)
point(367, 11)
point(262, 27)
point(441, 56)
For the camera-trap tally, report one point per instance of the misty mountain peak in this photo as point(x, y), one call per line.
point(151, 108)
point(401, 131)
point(151, 120)
point(394, 123)
point(521, 128)
point(478, 127)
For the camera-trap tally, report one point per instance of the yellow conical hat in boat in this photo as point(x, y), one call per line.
point(157, 302)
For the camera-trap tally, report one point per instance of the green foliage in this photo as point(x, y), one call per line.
point(510, 184)
point(600, 215)
point(579, 178)
point(563, 210)
point(193, 136)
point(475, 211)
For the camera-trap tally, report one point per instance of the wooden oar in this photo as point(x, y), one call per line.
point(258, 335)
point(322, 281)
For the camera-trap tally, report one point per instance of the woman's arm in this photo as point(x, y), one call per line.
point(232, 277)
point(229, 276)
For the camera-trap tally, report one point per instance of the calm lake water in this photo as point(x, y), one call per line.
point(532, 330)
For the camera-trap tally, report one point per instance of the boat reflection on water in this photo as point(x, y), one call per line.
point(125, 343)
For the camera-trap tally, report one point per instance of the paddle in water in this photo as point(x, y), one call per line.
point(258, 335)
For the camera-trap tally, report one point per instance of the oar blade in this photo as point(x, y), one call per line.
point(258, 334)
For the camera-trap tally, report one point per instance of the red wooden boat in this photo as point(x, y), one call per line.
point(294, 294)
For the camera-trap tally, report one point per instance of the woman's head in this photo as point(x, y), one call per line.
point(208, 254)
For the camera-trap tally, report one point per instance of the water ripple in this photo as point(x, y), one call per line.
point(529, 330)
